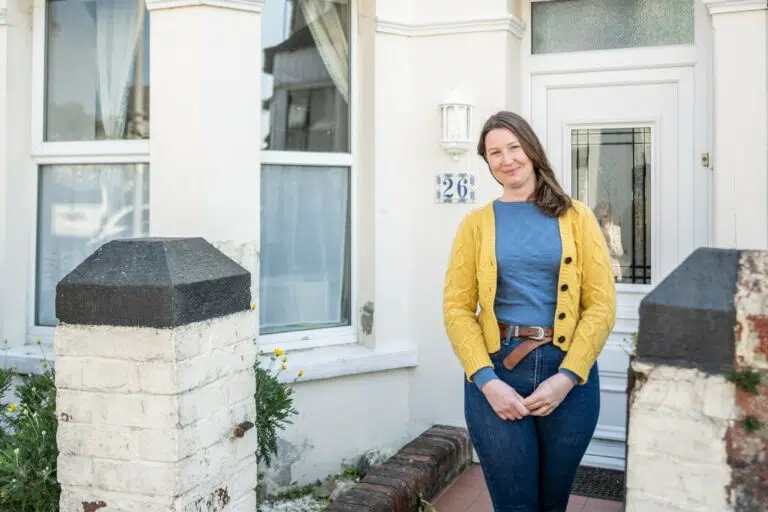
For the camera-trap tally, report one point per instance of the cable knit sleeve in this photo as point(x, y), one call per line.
point(598, 297)
point(460, 299)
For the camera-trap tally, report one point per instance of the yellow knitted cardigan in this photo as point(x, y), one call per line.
point(586, 302)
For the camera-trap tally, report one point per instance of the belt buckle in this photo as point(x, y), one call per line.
point(540, 335)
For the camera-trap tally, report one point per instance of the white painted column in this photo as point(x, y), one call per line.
point(205, 67)
point(3, 153)
point(740, 217)
point(15, 168)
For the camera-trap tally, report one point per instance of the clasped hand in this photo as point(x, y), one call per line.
point(509, 405)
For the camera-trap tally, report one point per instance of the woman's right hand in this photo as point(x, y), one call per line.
point(504, 400)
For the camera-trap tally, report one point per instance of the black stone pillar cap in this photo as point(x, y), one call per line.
point(689, 318)
point(153, 282)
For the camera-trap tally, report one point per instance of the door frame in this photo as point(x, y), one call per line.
point(690, 67)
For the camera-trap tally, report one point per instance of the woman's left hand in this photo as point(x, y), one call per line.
point(549, 394)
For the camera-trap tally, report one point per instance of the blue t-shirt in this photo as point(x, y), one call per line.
point(528, 253)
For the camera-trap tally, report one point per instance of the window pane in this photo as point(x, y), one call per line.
point(97, 70)
point(305, 248)
point(611, 172)
point(580, 25)
point(305, 78)
point(80, 208)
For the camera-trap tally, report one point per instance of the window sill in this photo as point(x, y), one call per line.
point(28, 359)
point(344, 360)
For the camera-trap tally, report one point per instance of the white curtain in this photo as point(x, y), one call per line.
point(324, 18)
point(303, 246)
point(118, 27)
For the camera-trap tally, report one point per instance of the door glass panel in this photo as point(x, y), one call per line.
point(611, 173)
point(580, 25)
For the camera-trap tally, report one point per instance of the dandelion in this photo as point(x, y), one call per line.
point(285, 359)
point(279, 352)
point(253, 307)
point(283, 367)
point(12, 408)
point(301, 373)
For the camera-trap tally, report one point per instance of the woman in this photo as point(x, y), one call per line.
point(537, 264)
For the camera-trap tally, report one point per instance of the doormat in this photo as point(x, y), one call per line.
point(604, 484)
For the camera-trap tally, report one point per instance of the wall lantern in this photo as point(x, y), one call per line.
point(456, 119)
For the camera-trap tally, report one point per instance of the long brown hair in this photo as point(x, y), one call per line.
point(549, 196)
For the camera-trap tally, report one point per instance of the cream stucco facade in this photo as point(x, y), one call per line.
point(702, 113)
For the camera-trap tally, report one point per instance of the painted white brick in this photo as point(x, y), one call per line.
point(139, 477)
point(687, 439)
point(135, 410)
point(206, 336)
point(109, 441)
point(214, 462)
point(159, 378)
point(74, 470)
point(237, 481)
point(112, 342)
point(217, 364)
point(198, 403)
point(720, 399)
point(242, 386)
point(72, 499)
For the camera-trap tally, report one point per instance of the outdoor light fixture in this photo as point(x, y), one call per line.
point(455, 117)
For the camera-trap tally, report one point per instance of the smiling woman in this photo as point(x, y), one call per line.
point(537, 265)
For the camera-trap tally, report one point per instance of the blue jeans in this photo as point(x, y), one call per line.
point(530, 464)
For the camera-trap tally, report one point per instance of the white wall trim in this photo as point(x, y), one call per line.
point(3, 16)
point(238, 5)
point(508, 23)
point(726, 6)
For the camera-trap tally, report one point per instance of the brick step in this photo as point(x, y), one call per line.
point(421, 469)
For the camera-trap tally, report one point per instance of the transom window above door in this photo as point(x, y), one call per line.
point(611, 173)
point(559, 26)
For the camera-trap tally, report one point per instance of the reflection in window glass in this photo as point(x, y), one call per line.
point(580, 25)
point(611, 173)
point(306, 78)
point(80, 208)
point(97, 70)
point(305, 248)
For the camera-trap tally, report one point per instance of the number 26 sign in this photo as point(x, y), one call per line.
point(455, 188)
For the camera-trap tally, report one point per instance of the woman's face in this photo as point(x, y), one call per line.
point(508, 162)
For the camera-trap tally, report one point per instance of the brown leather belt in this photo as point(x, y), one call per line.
point(534, 338)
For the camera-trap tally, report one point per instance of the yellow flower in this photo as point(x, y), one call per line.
point(279, 352)
point(283, 367)
point(301, 373)
point(12, 408)
point(285, 359)
point(253, 307)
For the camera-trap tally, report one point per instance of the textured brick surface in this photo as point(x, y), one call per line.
point(150, 429)
point(423, 467)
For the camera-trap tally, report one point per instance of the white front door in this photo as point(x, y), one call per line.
point(624, 143)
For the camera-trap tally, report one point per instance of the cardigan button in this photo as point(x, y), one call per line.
point(568, 260)
point(561, 339)
point(561, 316)
point(564, 288)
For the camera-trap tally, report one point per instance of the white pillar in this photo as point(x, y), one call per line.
point(15, 169)
point(3, 153)
point(205, 123)
point(741, 123)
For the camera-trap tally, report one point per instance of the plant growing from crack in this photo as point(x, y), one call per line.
point(746, 380)
point(274, 403)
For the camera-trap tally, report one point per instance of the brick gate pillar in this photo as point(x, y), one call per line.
point(698, 394)
point(154, 373)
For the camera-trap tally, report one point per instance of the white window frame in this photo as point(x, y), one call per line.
point(58, 153)
point(330, 336)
